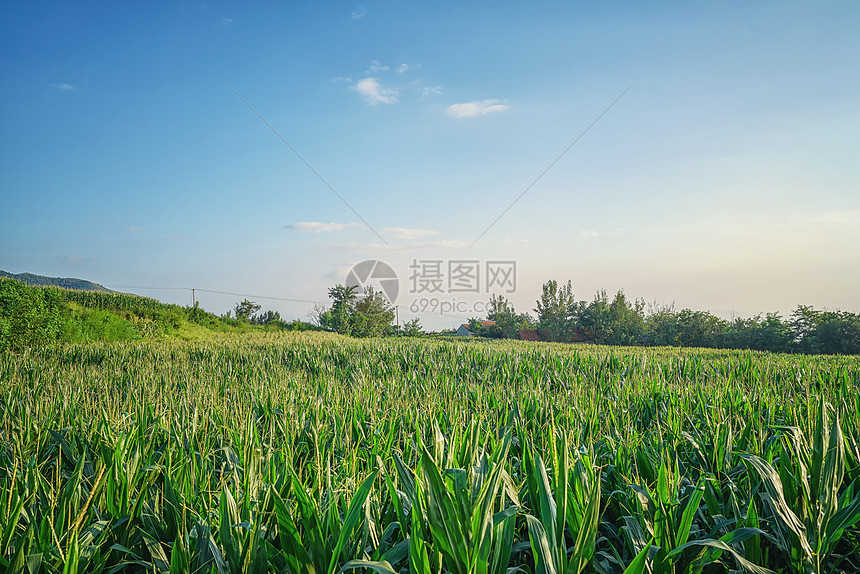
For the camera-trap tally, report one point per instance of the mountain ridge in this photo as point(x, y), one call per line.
point(64, 282)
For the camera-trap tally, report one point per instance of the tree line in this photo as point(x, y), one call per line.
point(362, 314)
point(624, 321)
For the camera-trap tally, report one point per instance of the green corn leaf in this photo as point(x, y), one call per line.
point(309, 517)
point(741, 535)
point(353, 515)
point(397, 553)
point(19, 559)
point(444, 518)
point(829, 484)
point(296, 556)
point(639, 563)
point(773, 484)
point(541, 549)
point(720, 545)
point(819, 443)
point(73, 555)
point(483, 519)
point(504, 523)
point(178, 557)
point(584, 544)
point(689, 513)
point(381, 567)
point(419, 563)
point(844, 519)
point(156, 552)
point(34, 563)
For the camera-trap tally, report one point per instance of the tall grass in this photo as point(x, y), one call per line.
point(310, 453)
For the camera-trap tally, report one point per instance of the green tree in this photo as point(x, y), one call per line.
point(412, 328)
point(245, 310)
point(827, 332)
point(768, 334)
point(268, 318)
point(372, 314)
point(626, 320)
point(557, 311)
point(661, 325)
point(700, 329)
point(502, 312)
point(339, 318)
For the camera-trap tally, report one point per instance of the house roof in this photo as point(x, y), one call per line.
point(529, 335)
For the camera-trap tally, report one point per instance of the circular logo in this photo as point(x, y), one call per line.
point(376, 274)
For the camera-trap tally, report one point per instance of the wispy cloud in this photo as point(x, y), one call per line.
point(376, 67)
point(318, 226)
point(407, 233)
point(73, 258)
point(359, 13)
point(135, 229)
point(402, 68)
point(586, 233)
point(64, 87)
point(476, 108)
point(373, 93)
point(225, 22)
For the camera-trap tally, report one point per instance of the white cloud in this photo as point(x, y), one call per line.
point(586, 233)
point(402, 68)
point(135, 229)
point(226, 22)
point(431, 91)
point(64, 87)
point(375, 94)
point(476, 108)
point(73, 258)
point(407, 233)
point(319, 226)
point(359, 13)
point(375, 67)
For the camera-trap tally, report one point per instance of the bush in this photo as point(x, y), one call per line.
point(28, 316)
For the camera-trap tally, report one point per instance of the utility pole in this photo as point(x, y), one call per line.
point(193, 298)
point(397, 315)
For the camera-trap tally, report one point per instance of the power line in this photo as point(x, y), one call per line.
point(298, 155)
point(532, 184)
point(289, 299)
point(260, 296)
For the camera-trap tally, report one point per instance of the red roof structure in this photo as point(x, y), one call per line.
point(529, 335)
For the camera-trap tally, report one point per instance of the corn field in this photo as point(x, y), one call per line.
point(315, 454)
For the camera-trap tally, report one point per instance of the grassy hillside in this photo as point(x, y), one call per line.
point(35, 316)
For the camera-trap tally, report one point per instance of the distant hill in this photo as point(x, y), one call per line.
point(64, 282)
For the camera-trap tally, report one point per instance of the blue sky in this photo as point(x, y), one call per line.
point(725, 179)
